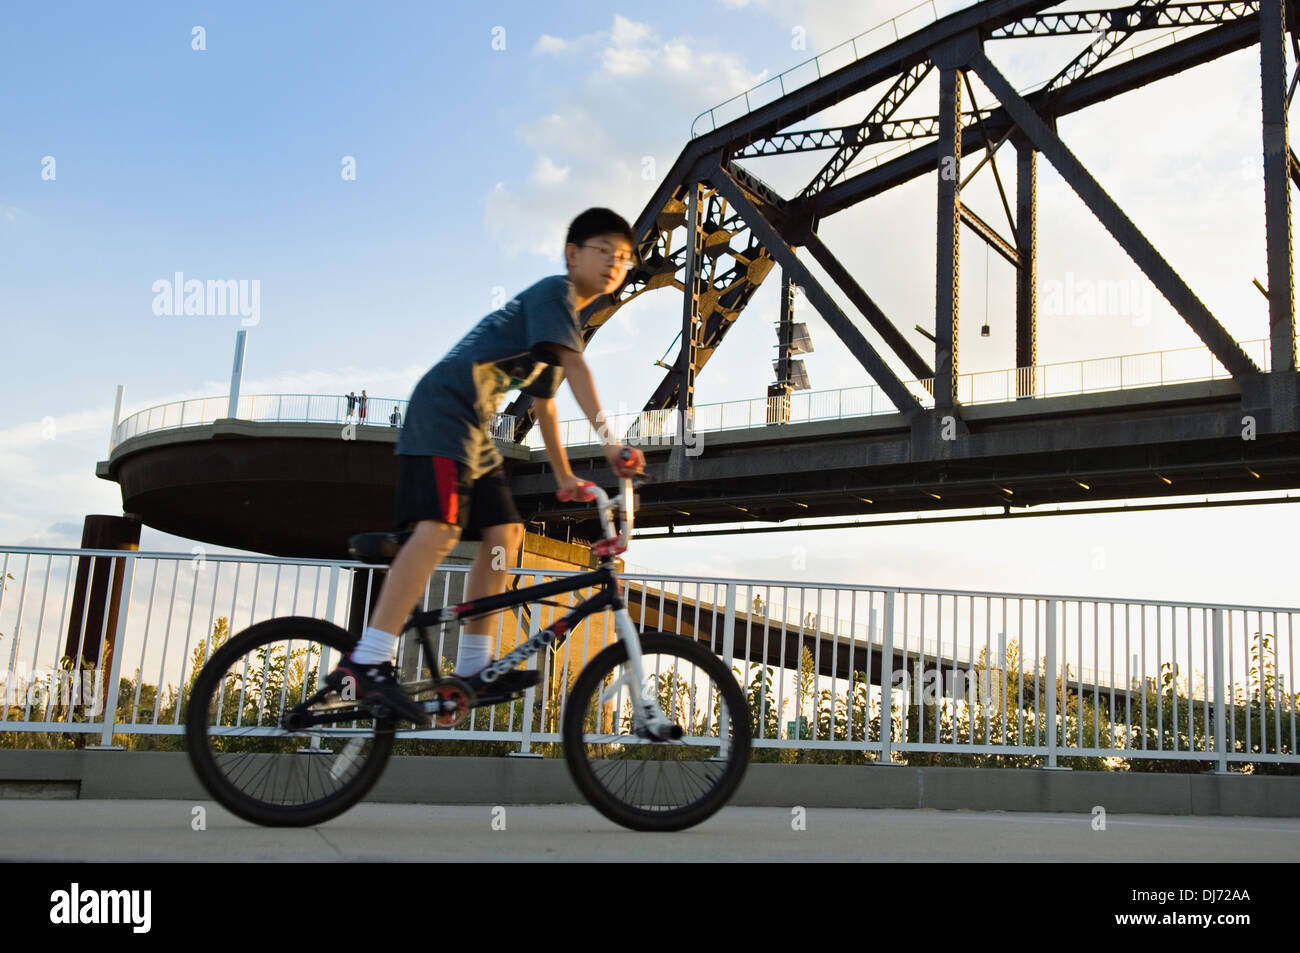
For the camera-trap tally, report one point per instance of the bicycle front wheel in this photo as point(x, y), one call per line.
point(238, 742)
point(657, 785)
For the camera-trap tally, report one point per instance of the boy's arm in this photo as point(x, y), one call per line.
point(584, 392)
point(550, 427)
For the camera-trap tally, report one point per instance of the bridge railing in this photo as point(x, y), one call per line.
point(813, 68)
point(854, 672)
point(659, 427)
point(1089, 376)
point(276, 408)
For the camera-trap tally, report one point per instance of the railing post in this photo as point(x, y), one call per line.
point(115, 669)
point(1220, 696)
point(534, 626)
point(331, 597)
point(887, 684)
point(236, 374)
point(1050, 715)
point(117, 419)
point(728, 650)
point(729, 632)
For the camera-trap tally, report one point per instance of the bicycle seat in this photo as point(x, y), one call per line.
point(376, 547)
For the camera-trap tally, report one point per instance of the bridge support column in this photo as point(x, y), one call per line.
point(690, 312)
point(96, 613)
point(1027, 275)
point(1277, 215)
point(947, 258)
point(778, 394)
point(95, 616)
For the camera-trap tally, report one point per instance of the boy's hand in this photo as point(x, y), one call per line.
point(634, 464)
point(571, 487)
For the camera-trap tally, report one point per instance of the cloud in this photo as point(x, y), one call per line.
point(60, 535)
point(595, 141)
point(548, 173)
point(555, 45)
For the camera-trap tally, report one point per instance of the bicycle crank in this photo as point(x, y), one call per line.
point(451, 701)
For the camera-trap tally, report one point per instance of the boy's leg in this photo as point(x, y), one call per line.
point(487, 577)
point(429, 498)
point(410, 571)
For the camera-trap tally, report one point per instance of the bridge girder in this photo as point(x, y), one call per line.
point(749, 227)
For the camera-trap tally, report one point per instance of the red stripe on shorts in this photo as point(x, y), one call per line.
point(444, 479)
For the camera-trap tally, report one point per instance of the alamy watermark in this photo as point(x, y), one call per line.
point(651, 428)
point(1097, 297)
point(78, 905)
point(45, 687)
point(934, 684)
point(242, 297)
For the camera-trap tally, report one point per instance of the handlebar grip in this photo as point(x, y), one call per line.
point(633, 460)
point(581, 495)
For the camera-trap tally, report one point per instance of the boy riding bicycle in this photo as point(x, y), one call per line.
point(450, 476)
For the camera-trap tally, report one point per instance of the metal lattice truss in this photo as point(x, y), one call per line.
point(714, 230)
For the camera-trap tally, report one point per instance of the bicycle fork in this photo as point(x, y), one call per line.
point(649, 721)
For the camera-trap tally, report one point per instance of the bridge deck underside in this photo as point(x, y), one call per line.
point(1186, 447)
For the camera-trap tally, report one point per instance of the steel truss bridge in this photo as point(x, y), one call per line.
point(713, 231)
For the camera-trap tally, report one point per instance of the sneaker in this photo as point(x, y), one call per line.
point(511, 683)
point(376, 682)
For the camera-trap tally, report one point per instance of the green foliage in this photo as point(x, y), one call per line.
point(1005, 705)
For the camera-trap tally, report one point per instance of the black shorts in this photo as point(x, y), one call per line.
point(436, 488)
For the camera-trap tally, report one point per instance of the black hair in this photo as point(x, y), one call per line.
point(599, 221)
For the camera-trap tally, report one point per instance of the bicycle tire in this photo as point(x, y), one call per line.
point(223, 755)
point(589, 754)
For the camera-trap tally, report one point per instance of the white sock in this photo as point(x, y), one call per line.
point(473, 652)
point(375, 646)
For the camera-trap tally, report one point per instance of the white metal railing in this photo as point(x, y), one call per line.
point(869, 41)
point(1094, 375)
point(811, 69)
point(981, 673)
point(277, 408)
point(1090, 376)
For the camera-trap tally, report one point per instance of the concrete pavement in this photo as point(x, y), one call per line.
point(162, 831)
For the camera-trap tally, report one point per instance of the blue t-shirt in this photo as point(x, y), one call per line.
point(451, 409)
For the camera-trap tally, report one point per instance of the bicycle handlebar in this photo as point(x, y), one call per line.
point(625, 502)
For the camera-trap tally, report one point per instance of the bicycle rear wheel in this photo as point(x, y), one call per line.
point(657, 785)
point(245, 757)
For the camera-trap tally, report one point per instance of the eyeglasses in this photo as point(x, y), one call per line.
point(621, 259)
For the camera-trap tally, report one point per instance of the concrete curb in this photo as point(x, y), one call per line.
point(443, 780)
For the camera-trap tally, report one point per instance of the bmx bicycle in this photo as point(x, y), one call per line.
point(655, 729)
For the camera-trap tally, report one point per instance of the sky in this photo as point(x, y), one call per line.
point(476, 132)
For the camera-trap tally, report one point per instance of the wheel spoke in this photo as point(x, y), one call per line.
point(663, 785)
point(261, 771)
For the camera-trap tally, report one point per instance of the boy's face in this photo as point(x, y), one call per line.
point(598, 265)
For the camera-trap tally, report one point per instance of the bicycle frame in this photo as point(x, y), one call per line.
point(648, 715)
